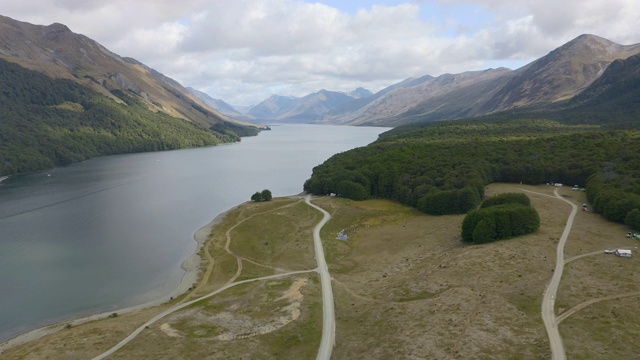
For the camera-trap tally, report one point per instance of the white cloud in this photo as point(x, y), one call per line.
point(242, 50)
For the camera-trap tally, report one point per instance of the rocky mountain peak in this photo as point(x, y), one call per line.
point(56, 32)
point(360, 93)
point(57, 28)
point(592, 46)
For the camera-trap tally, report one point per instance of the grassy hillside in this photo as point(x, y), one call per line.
point(46, 122)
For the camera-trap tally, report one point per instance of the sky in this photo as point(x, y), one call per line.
point(243, 51)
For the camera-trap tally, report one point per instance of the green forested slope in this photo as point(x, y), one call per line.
point(47, 122)
point(442, 168)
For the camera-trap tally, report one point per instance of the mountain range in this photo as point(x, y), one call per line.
point(308, 108)
point(59, 53)
point(60, 80)
point(560, 75)
point(287, 109)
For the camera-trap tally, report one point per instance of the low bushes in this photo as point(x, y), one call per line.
point(265, 195)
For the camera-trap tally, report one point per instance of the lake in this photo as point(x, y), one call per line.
point(113, 231)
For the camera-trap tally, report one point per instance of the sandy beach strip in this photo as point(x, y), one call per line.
point(192, 269)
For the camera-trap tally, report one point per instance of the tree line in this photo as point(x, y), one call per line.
point(442, 168)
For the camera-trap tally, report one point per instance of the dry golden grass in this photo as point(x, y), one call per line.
point(405, 287)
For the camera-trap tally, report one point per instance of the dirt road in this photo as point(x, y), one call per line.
point(328, 312)
point(548, 301)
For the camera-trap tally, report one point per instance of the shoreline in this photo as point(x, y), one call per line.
point(3, 178)
point(191, 266)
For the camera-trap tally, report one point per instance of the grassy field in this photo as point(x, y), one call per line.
point(405, 287)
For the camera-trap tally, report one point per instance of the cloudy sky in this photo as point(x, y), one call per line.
point(242, 51)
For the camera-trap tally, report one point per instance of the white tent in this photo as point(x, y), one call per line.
point(623, 253)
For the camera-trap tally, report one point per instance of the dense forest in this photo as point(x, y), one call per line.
point(442, 168)
point(47, 122)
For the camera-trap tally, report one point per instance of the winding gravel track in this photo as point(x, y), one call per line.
point(328, 310)
point(583, 305)
point(548, 301)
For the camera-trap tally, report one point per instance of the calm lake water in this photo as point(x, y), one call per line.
point(112, 232)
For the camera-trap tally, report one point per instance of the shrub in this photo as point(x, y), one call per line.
point(499, 222)
point(265, 195)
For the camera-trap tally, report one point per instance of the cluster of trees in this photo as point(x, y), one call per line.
point(614, 194)
point(442, 168)
point(500, 217)
point(264, 195)
point(47, 122)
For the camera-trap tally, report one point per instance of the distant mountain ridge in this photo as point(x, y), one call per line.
point(218, 104)
point(560, 75)
point(611, 101)
point(272, 107)
point(448, 95)
point(309, 108)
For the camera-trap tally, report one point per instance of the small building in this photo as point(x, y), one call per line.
point(342, 236)
point(623, 253)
